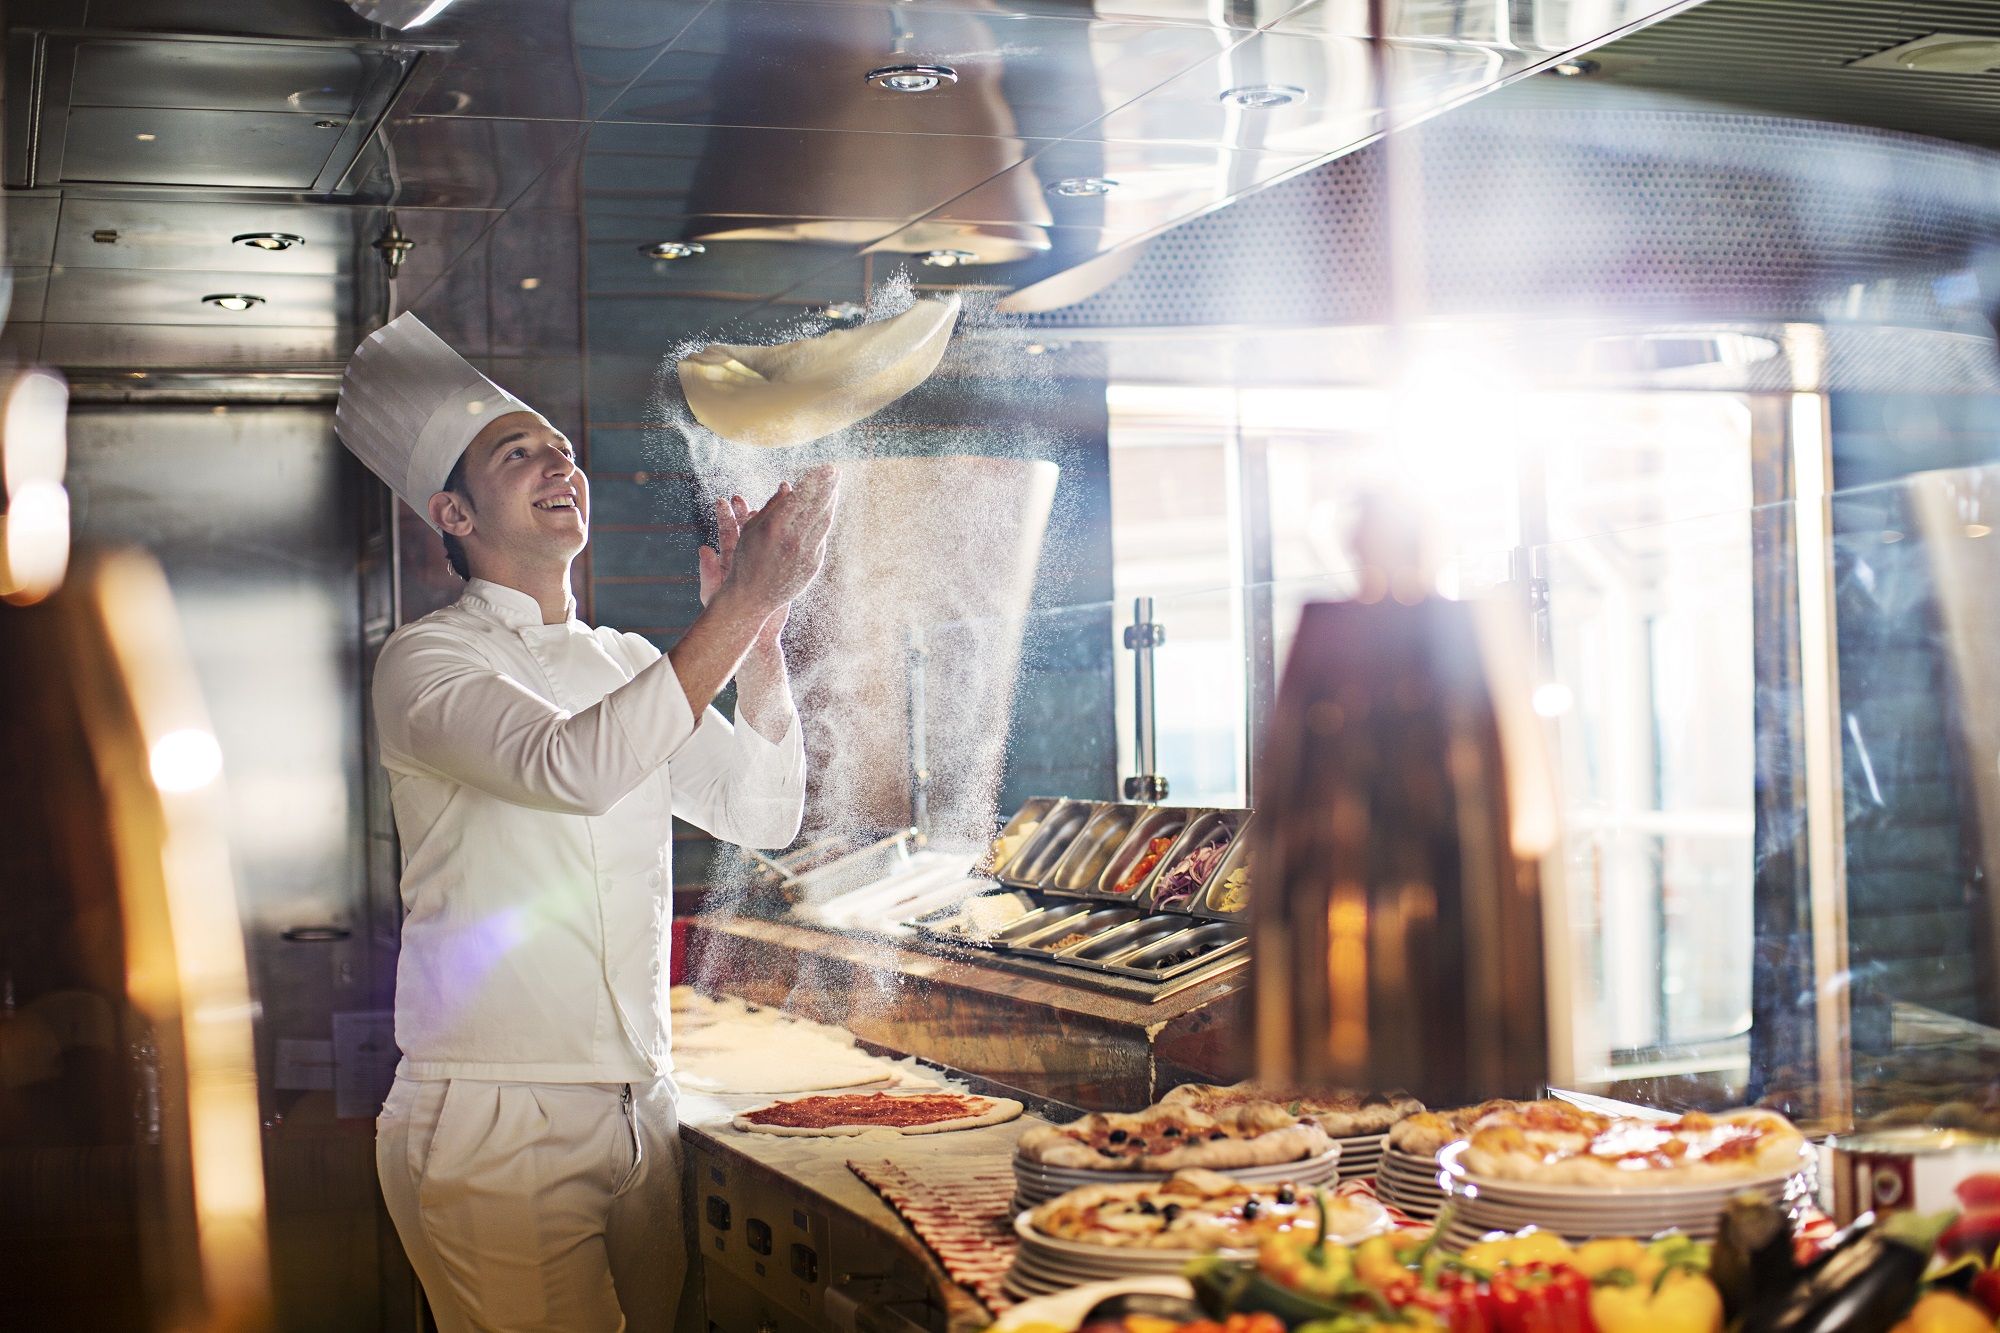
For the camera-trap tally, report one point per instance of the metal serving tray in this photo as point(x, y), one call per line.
point(1163, 821)
point(1133, 935)
point(1200, 830)
point(1182, 951)
point(1083, 864)
point(1053, 917)
point(1031, 812)
point(939, 924)
point(1033, 863)
point(1239, 855)
point(1093, 927)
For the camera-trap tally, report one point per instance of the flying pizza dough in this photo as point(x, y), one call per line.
point(797, 392)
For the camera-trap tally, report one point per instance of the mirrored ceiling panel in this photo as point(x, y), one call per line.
point(250, 238)
point(1537, 26)
point(795, 178)
point(644, 256)
point(1290, 94)
point(459, 162)
point(937, 71)
point(128, 296)
point(1119, 189)
point(543, 60)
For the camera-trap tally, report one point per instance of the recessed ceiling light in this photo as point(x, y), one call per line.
point(1083, 187)
point(1939, 53)
point(948, 258)
point(145, 138)
point(1044, 348)
point(1263, 96)
point(912, 78)
point(1574, 69)
point(267, 240)
point(673, 249)
point(232, 300)
point(529, 284)
point(1978, 530)
point(845, 312)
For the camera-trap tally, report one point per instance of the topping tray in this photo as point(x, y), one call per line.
point(976, 920)
point(1083, 864)
point(1191, 863)
point(1229, 891)
point(1124, 939)
point(1130, 875)
point(1013, 838)
point(1037, 857)
point(1035, 923)
point(1185, 949)
point(1084, 930)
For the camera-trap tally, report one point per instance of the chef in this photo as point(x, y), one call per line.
point(528, 1150)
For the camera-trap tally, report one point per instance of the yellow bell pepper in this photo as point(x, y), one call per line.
point(1529, 1247)
point(1683, 1302)
point(1945, 1312)
point(1598, 1257)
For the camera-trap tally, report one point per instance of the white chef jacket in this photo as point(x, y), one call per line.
point(533, 770)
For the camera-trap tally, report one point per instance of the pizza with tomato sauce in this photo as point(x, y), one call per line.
point(857, 1113)
point(1200, 1210)
point(1556, 1144)
point(1171, 1138)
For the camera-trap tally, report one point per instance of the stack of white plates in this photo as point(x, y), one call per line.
point(1044, 1264)
point(1579, 1212)
point(1361, 1154)
point(1410, 1182)
point(1035, 1183)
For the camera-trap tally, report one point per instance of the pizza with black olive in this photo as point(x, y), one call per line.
point(1171, 1138)
point(1198, 1210)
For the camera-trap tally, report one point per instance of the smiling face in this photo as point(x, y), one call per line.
point(526, 502)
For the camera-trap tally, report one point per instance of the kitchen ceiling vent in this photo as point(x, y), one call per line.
point(185, 110)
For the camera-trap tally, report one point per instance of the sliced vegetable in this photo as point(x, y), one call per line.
point(1866, 1286)
point(1752, 1261)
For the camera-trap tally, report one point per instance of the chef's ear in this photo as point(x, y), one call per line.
point(450, 513)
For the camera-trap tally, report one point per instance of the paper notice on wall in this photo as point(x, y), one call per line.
point(364, 1062)
point(304, 1065)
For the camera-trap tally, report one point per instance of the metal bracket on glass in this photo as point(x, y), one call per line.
point(920, 768)
point(1142, 636)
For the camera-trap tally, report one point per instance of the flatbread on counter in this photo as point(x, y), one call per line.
point(858, 1113)
point(1173, 1138)
point(1340, 1114)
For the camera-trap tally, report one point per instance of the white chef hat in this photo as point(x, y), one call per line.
point(409, 405)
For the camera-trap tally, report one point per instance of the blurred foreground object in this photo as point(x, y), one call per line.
point(130, 1153)
point(1401, 818)
point(34, 455)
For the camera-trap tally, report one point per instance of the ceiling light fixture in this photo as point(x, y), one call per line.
point(1574, 69)
point(267, 240)
point(948, 258)
point(1939, 53)
point(1083, 187)
point(673, 249)
point(911, 78)
point(845, 312)
point(145, 138)
point(403, 14)
point(232, 300)
point(529, 284)
point(1263, 96)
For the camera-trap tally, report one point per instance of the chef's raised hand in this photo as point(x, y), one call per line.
point(716, 562)
point(775, 552)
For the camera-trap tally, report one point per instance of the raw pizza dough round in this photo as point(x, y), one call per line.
point(979, 1112)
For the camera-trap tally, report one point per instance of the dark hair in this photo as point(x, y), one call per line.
point(454, 551)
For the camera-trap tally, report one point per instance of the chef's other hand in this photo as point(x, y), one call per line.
point(716, 561)
point(779, 549)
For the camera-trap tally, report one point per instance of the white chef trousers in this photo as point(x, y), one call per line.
point(537, 1206)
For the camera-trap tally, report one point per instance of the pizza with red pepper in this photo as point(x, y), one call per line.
point(859, 1112)
point(1171, 1138)
point(1198, 1210)
point(1340, 1114)
point(1431, 1132)
point(1557, 1144)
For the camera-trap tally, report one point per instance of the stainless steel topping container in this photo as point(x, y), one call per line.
point(1033, 863)
point(1239, 855)
point(1158, 823)
point(1031, 811)
point(1125, 939)
point(947, 923)
point(1038, 922)
point(1094, 926)
point(1092, 850)
point(1201, 827)
point(1183, 951)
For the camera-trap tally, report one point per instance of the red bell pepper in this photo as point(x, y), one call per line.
point(1542, 1298)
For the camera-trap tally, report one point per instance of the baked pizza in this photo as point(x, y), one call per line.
point(1341, 1114)
point(1557, 1144)
point(1428, 1133)
point(1197, 1210)
point(1171, 1138)
point(857, 1113)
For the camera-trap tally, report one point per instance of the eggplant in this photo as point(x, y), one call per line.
point(1866, 1286)
point(1752, 1261)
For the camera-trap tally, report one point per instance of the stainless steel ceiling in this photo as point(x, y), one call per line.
point(673, 119)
